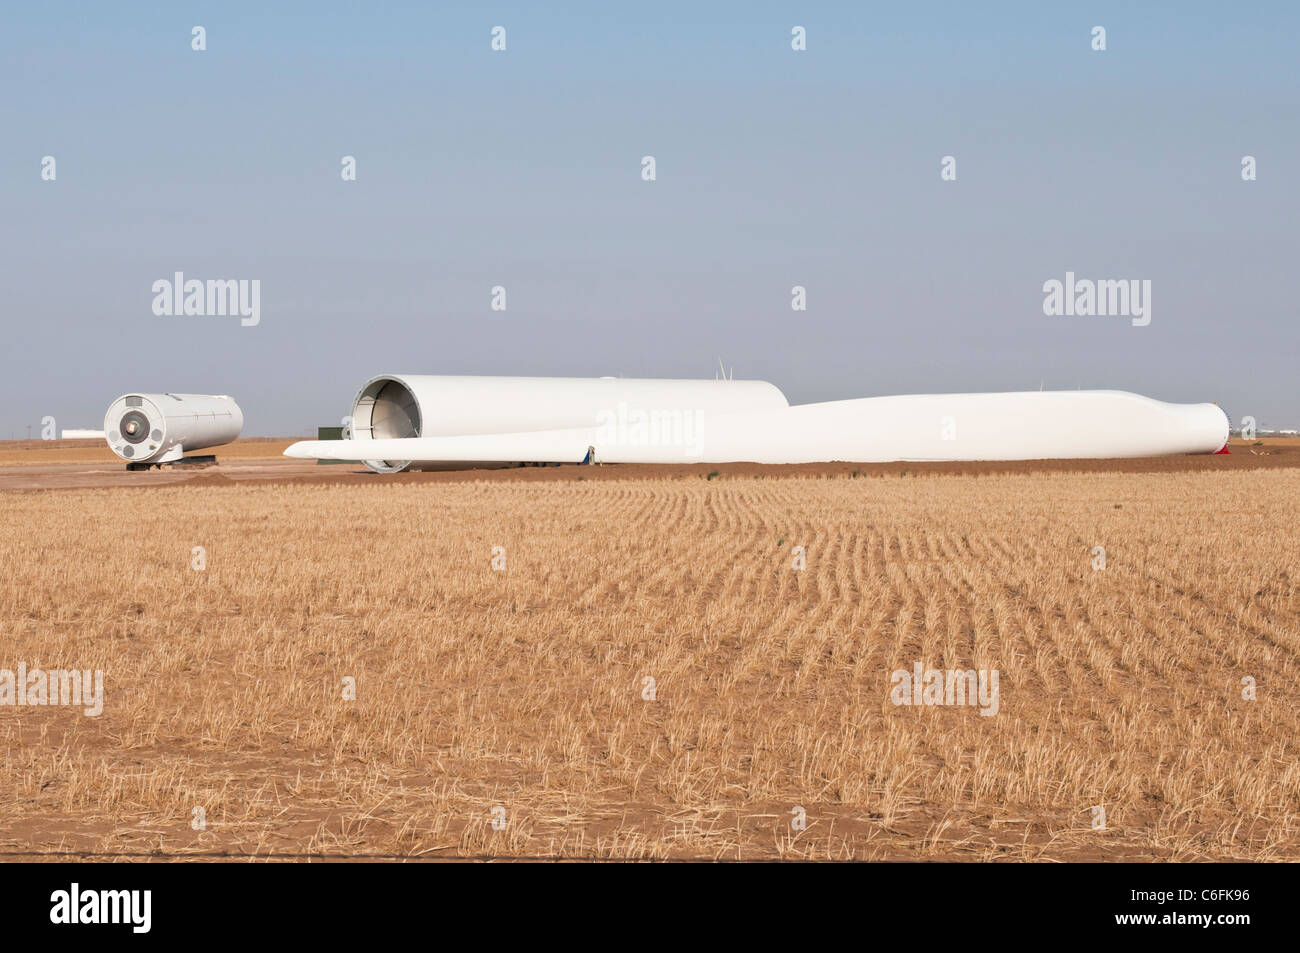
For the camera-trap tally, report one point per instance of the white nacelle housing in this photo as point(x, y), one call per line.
point(399, 406)
point(159, 428)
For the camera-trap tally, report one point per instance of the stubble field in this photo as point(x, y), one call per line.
point(505, 710)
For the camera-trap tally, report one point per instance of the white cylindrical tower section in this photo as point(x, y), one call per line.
point(159, 428)
point(393, 406)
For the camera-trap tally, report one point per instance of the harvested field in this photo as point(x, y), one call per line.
point(519, 694)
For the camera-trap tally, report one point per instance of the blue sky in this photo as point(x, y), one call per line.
point(522, 168)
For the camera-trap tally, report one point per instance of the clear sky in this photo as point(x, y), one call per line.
point(522, 169)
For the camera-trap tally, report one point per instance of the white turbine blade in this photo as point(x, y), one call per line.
point(1017, 426)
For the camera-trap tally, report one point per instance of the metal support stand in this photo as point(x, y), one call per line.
point(198, 461)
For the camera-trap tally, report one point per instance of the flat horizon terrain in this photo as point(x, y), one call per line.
point(519, 694)
point(65, 464)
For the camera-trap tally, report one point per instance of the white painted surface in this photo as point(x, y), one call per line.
point(1034, 425)
point(392, 406)
point(176, 423)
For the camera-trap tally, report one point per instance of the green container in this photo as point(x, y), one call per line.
point(329, 433)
